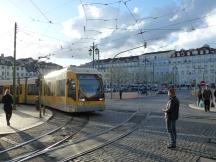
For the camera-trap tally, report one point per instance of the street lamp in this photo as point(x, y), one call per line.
point(97, 53)
point(111, 68)
point(153, 70)
point(174, 74)
point(92, 51)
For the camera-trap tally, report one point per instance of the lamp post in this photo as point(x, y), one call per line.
point(14, 68)
point(153, 73)
point(111, 67)
point(92, 51)
point(174, 75)
point(97, 53)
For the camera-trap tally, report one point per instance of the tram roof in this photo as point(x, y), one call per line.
point(83, 70)
point(72, 69)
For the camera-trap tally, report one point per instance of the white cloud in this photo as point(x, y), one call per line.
point(81, 11)
point(175, 17)
point(92, 11)
point(115, 30)
point(136, 10)
point(70, 31)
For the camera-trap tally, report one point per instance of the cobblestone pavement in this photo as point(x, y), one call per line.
point(196, 134)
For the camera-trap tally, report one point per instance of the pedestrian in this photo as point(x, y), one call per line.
point(120, 94)
point(171, 115)
point(207, 96)
point(199, 95)
point(215, 95)
point(7, 100)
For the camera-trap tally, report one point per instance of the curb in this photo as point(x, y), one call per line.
point(36, 121)
point(193, 106)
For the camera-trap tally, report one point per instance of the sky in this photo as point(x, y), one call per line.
point(63, 31)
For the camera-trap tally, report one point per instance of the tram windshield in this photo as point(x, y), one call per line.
point(90, 87)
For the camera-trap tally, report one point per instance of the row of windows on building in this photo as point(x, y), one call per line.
point(18, 74)
point(159, 63)
point(11, 67)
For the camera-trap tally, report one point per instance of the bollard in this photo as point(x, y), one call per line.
point(44, 111)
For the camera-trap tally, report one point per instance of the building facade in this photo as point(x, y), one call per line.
point(27, 67)
point(172, 67)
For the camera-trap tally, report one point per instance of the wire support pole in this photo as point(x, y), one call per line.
point(14, 68)
point(111, 68)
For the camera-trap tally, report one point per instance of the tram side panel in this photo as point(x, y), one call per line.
point(54, 94)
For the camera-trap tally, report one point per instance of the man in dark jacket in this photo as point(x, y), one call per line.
point(171, 115)
point(207, 96)
point(215, 95)
point(7, 100)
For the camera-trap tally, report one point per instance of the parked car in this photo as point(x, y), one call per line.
point(144, 91)
point(162, 91)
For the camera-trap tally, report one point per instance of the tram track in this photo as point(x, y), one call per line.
point(95, 141)
point(48, 140)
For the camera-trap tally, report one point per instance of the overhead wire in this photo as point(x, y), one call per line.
point(41, 12)
point(136, 20)
point(99, 3)
point(125, 4)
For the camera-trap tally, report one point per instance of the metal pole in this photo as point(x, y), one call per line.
point(111, 90)
point(40, 87)
point(153, 72)
point(111, 62)
point(98, 59)
point(25, 93)
point(14, 68)
point(93, 50)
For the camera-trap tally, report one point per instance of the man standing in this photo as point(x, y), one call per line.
point(171, 115)
point(7, 100)
point(120, 94)
point(207, 96)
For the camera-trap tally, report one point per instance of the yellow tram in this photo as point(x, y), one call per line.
point(70, 89)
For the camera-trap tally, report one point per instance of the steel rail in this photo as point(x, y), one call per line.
point(49, 147)
point(99, 146)
point(77, 141)
point(32, 140)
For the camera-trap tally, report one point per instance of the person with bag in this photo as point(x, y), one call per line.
point(7, 100)
point(207, 96)
point(199, 95)
point(171, 115)
point(214, 98)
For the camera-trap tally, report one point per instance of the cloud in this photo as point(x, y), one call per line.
point(169, 27)
point(187, 24)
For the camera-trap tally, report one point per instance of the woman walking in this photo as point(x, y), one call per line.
point(7, 100)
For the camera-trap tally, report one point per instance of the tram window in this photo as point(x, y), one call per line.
point(53, 89)
point(72, 89)
point(1, 89)
point(20, 89)
point(33, 89)
point(47, 89)
point(60, 88)
point(11, 90)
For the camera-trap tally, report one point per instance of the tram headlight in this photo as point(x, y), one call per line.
point(82, 99)
point(100, 99)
